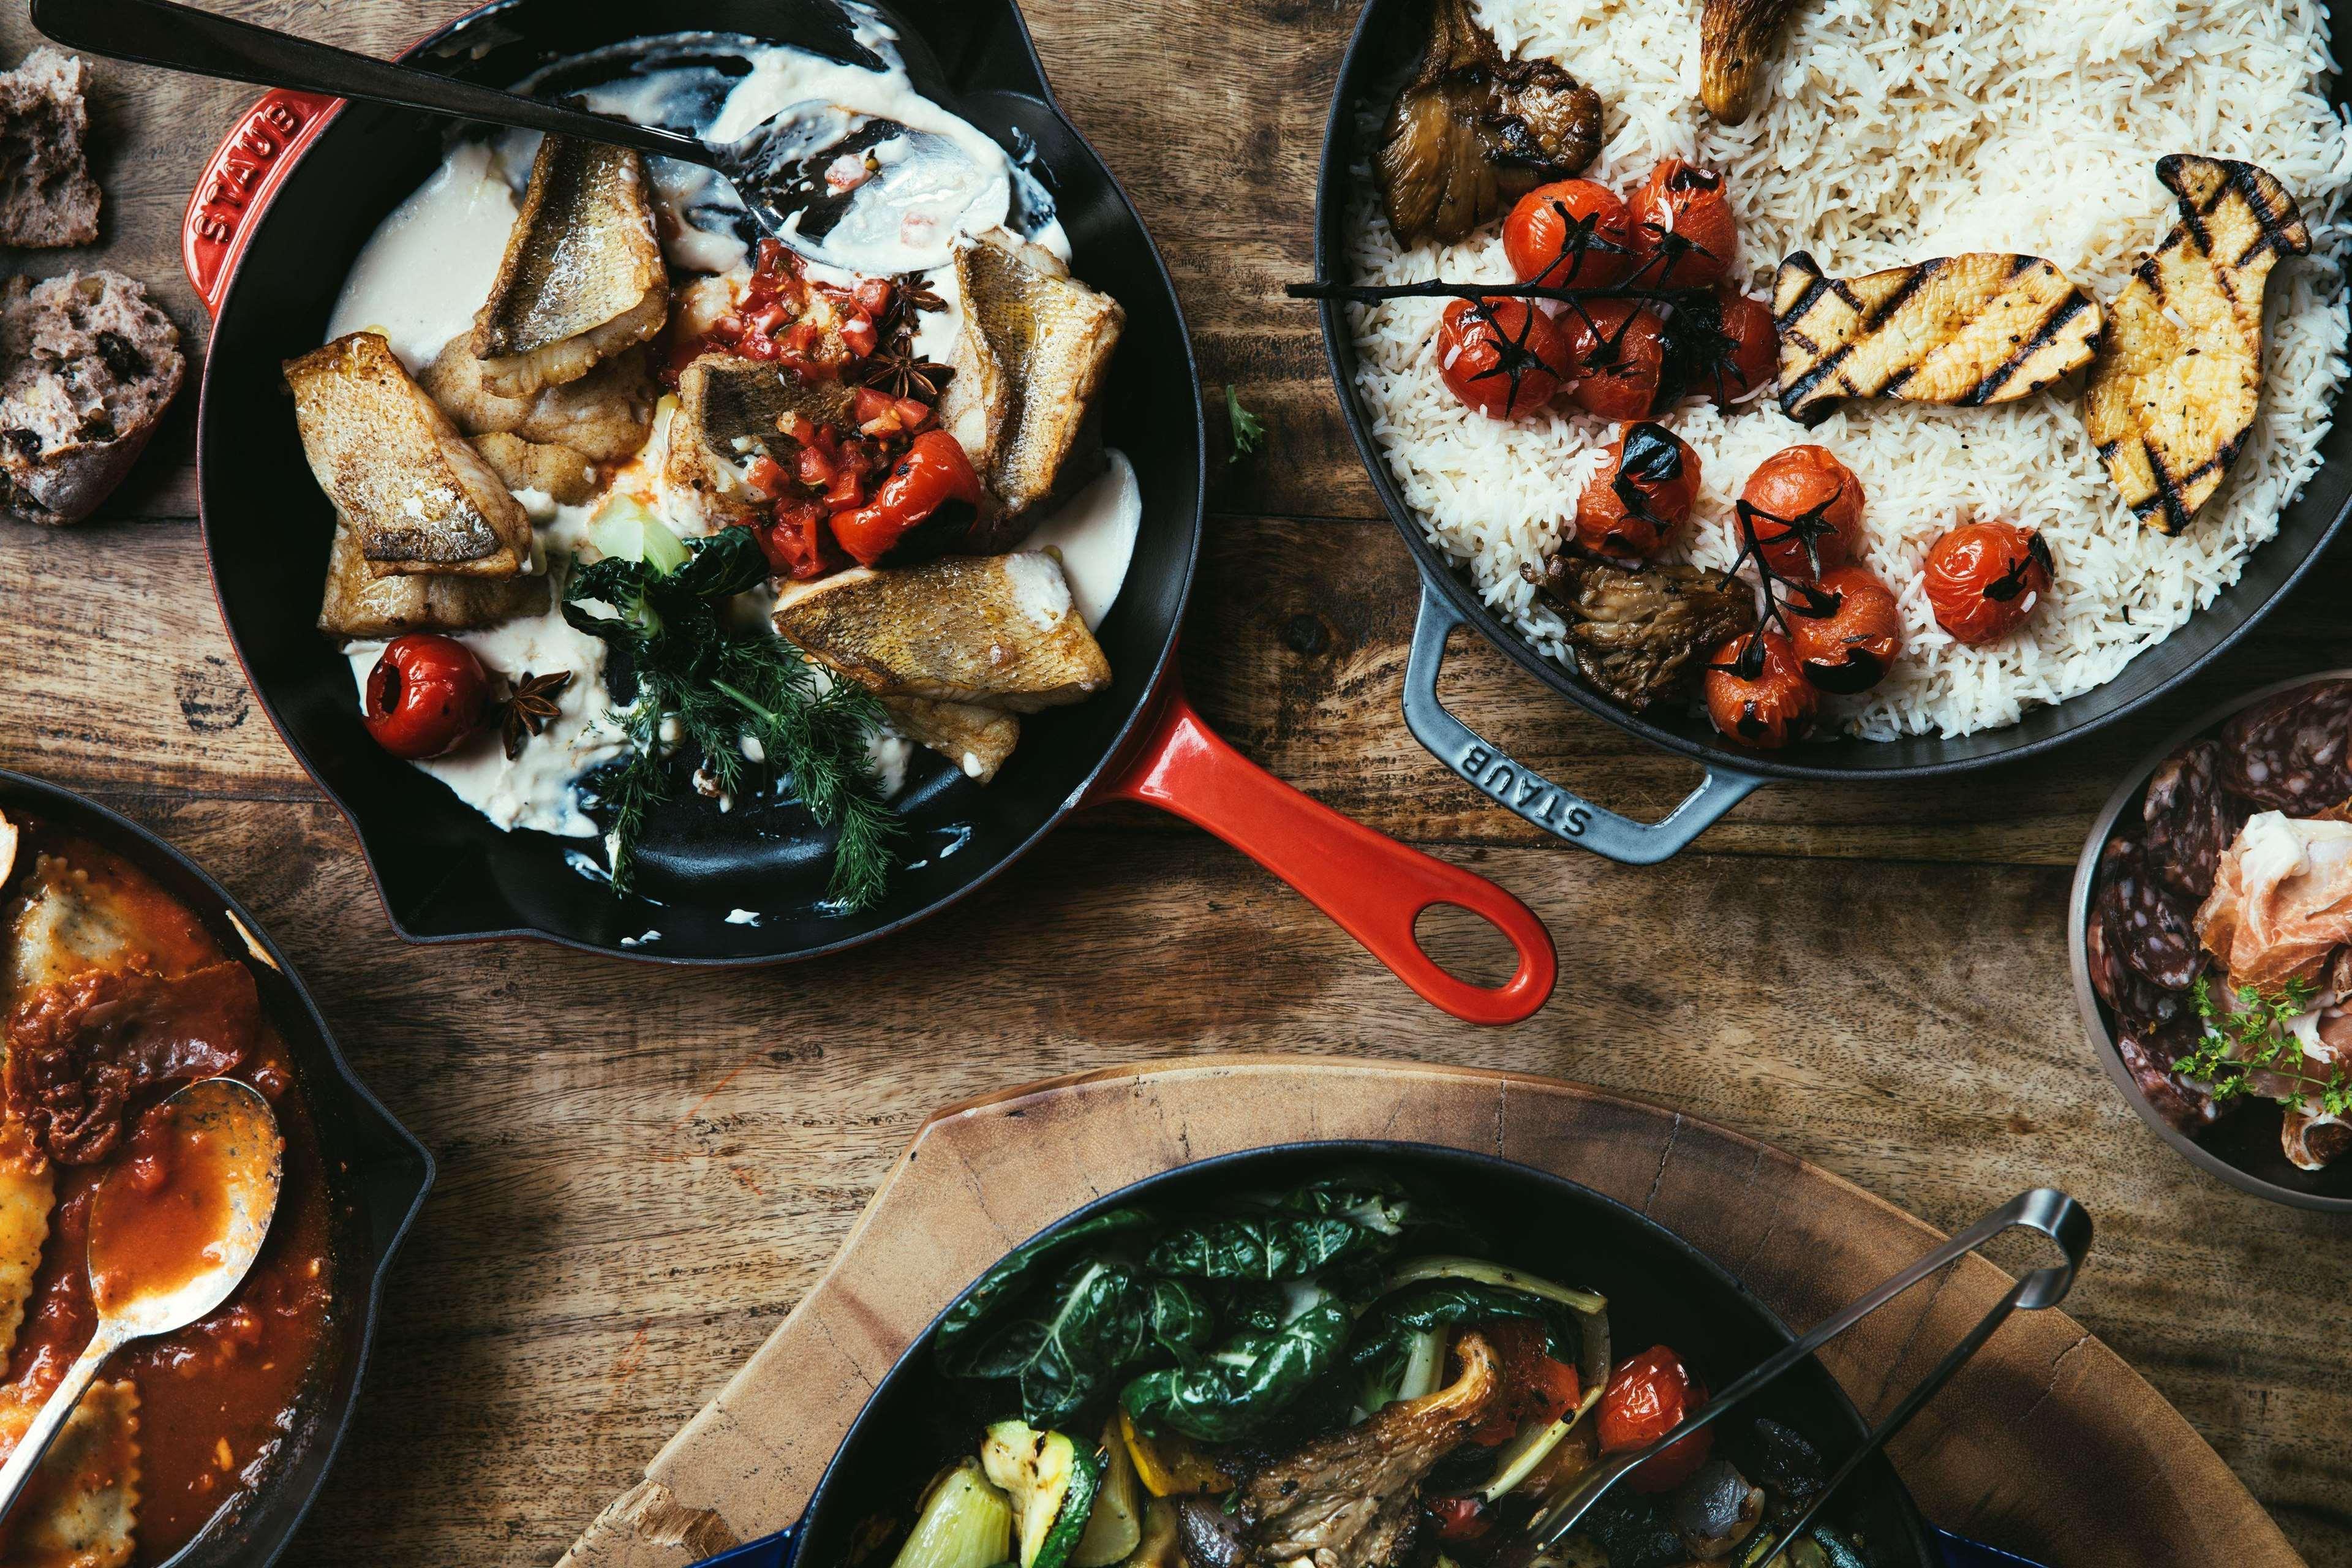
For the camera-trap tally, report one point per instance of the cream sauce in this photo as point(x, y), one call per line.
point(1093, 533)
point(429, 266)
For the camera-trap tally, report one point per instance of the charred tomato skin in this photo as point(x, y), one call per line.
point(1754, 357)
point(1765, 705)
point(1641, 495)
point(1684, 234)
point(1802, 494)
point(426, 695)
point(1571, 234)
point(1503, 357)
point(1460, 1518)
point(1852, 648)
point(1617, 351)
point(1649, 1395)
point(1985, 578)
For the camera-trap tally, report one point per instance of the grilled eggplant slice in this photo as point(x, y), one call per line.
point(2173, 394)
point(729, 411)
point(416, 496)
point(1473, 131)
point(359, 603)
point(1643, 635)
point(1985, 327)
point(583, 277)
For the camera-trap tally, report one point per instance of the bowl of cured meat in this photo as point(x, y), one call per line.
point(2212, 942)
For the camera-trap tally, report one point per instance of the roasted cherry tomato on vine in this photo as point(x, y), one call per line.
point(927, 501)
point(426, 695)
point(1851, 647)
point(1757, 694)
point(1648, 1397)
point(1641, 495)
point(1806, 508)
point(1683, 233)
point(1751, 352)
point(1457, 1518)
point(1617, 350)
point(1571, 234)
point(1502, 357)
point(1984, 579)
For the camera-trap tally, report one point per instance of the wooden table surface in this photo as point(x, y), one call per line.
point(642, 1170)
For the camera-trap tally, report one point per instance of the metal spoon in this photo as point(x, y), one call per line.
point(247, 1155)
point(781, 176)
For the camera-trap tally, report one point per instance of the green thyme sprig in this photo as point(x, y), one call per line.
point(2257, 1035)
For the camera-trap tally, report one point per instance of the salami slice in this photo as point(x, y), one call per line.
point(2149, 1058)
point(2190, 820)
point(2141, 1002)
point(2293, 753)
point(2153, 929)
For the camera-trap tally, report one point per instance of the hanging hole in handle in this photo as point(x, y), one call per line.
point(1466, 944)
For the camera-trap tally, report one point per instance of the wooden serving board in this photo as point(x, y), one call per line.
point(2046, 1444)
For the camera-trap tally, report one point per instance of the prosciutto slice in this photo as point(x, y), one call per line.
point(2282, 902)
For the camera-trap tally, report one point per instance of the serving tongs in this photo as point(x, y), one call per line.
point(2044, 1210)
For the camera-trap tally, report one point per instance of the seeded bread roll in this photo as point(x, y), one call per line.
point(46, 195)
point(87, 367)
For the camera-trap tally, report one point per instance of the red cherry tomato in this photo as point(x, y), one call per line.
point(1806, 508)
point(1752, 355)
point(426, 695)
point(1500, 356)
point(1617, 350)
point(1537, 1390)
point(1571, 234)
point(1457, 1518)
point(1648, 1397)
point(1985, 578)
point(1641, 495)
point(1853, 646)
point(798, 543)
point(1683, 233)
point(927, 501)
point(1759, 699)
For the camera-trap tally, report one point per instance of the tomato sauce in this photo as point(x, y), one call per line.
point(218, 1399)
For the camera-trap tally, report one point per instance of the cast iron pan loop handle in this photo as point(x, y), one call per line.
point(1523, 791)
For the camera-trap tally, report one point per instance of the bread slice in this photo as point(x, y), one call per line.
point(420, 498)
point(46, 195)
point(90, 366)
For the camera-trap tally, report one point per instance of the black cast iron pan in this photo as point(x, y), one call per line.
point(376, 1175)
point(271, 230)
point(1388, 36)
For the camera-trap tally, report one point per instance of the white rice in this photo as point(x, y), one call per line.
point(1892, 130)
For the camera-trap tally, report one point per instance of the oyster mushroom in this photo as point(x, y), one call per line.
point(1735, 39)
point(1473, 131)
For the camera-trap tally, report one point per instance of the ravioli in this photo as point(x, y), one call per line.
point(63, 926)
point(82, 1505)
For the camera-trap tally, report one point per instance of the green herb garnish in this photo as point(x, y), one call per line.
point(1247, 431)
point(2257, 1035)
point(722, 683)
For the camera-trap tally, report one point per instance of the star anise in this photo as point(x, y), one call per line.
point(532, 709)
point(896, 368)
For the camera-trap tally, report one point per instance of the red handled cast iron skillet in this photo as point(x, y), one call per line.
point(1388, 36)
point(274, 224)
point(376, 1175)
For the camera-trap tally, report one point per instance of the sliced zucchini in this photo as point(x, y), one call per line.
point(963, 1522)
point(1531, 1447)
point(1052, 1481)
point(1116, 1527)
point(1162, 1545)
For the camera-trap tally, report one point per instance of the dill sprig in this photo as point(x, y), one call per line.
point(2257, 1035)
point(722, 683)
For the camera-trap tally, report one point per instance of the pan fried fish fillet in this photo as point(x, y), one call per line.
point(358, 603)
point(583, 276)
point(1985, 327)
point(730, 410)
point(414, 492)
point(2173, 394)
point(977, 740)
point(564, 475)
point(81, 1507)
point(1035, 345)
point(606, 414)
point(996, 630)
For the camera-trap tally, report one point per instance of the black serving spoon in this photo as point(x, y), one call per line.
point(779, 176)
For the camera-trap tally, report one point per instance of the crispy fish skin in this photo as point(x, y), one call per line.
point(1983, 327)
point(997, 630)
point(723, 400)
point(2174, 393)
point(1036, 344)
point(977, 740)
point(583, 276)
point(416, 494)
point(605, 414)
point(359, 603)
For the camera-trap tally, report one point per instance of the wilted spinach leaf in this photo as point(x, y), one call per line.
point(1259, 1247)
point(1179, 1321)
point(1016, 1272)
point(1071, 1339)
point(1245, 1381)
point(1380, 1339)
point(1374, 1201)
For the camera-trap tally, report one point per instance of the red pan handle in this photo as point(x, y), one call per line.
point(1373, 885)
point(237, 185)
